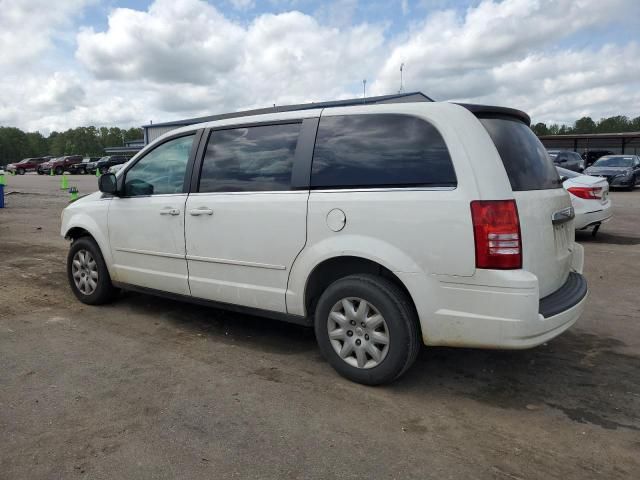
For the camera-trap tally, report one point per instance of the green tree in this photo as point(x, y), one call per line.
point(619, 123)
point(584, 125)
point(540, 129)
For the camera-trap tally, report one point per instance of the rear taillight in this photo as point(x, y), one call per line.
point(496, 229)
point(588, 193)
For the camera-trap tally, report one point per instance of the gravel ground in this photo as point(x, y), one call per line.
point(151, 388)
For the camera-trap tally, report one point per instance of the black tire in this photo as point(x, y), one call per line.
point(59, 171)
point(104, 291)
point(20, 171)
point(40, 172)
point(401, 321)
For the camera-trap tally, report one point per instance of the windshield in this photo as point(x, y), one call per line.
point(26, 160)
point(553, 154)
point(614, 162)
point(103, 159)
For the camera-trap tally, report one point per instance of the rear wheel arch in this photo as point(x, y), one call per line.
point(335, 268)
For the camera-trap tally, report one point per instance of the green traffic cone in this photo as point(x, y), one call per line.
point(74, 193)
point(51, 172)
point(97, 172)
point(64, 182)
point(2, 180)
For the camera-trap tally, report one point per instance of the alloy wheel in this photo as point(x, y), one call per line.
point(85, 272)
point(358, 333)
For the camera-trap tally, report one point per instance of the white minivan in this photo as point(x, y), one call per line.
point(382, 226)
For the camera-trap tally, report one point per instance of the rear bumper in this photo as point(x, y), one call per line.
point(499, 309)
point(584, 220)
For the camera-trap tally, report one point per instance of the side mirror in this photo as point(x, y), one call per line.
point(108, 183)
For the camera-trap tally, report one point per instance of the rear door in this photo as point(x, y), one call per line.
point(544, 207)
point(245, 220)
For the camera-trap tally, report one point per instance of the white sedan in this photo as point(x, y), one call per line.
point(589, 197)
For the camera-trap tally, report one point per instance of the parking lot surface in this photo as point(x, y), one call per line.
point(153, 388)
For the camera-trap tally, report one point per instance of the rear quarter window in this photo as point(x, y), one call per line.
point(524, 157)
point(380, 150)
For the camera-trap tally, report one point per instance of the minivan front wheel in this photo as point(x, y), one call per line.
point(87, 273)
point(367, 329)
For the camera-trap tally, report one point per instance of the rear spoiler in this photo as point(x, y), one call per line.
point(489, 111)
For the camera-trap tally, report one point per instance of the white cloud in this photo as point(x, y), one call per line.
point(203, 62)
point(182, 58)
point(28, 28)
point(502, 52)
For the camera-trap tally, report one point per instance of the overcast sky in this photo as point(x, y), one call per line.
point(88, 62)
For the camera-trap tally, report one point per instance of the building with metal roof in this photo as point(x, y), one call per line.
point(154, 130)
point(624, 142)
point(129, 149)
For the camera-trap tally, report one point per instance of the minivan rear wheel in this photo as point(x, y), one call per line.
point(367, 329)
point(88, 274)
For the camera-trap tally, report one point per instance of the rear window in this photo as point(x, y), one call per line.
point(380, 150)
point(524, 157)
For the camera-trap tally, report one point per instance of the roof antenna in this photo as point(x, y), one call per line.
point(364, 91)
point(401, 83)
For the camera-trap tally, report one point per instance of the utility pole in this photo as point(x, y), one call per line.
point(401, 83)
point(364, 90)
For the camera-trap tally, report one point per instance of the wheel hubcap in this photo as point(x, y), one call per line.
point(84, 270)
point(358, 332)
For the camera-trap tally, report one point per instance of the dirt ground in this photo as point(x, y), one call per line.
point(151, 388)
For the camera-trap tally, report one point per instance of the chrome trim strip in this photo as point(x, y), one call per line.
point(149, 252)
point(241, 263)
point(270, 192)
point(383, 189)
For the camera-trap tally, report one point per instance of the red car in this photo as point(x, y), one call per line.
point(26, 165)
point(59, 165)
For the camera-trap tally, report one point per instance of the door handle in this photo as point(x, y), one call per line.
point(201, 211)
point(170, 211)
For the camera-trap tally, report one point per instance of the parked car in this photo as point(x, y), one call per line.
point(620, 170)
point(383, 226)
point(26, 165)
point(591, 156)
point(81, 168)
point(104, 163)
point(589, 197)
point(59, 165)
point(567, 159)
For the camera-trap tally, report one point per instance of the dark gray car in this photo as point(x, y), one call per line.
point(619, 170)
point(567, 159)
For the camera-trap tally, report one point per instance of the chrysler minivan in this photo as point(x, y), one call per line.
point(382, 226)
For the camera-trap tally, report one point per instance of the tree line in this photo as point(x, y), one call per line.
point(88, 141)
point(617, 124)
